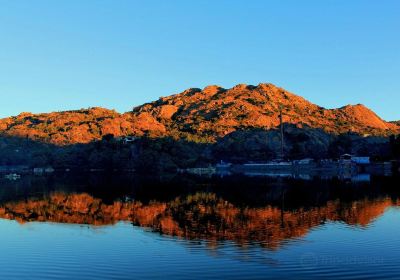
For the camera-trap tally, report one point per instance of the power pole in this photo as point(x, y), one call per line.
point(281, 125)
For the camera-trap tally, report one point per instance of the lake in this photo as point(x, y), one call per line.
point(99, 226)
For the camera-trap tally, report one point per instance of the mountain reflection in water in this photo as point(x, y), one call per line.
point(263, 211)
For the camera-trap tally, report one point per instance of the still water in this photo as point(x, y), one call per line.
point(169, 227)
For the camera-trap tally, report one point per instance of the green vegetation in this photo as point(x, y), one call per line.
point(195, 128)
point(149, 154)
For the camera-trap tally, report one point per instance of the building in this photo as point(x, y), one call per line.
point(126, 139)
point(361, 160)
point(129, 139)
point(354, 159)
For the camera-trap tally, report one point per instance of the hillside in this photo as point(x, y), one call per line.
point(198, 115)
point(214, 112)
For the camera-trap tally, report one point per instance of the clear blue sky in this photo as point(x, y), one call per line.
point(57, 55)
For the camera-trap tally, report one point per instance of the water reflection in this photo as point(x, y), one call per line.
point(268, 212)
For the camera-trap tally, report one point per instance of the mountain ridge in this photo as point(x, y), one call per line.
point(200, 115)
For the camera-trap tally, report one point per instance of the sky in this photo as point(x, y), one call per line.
point(72, 54)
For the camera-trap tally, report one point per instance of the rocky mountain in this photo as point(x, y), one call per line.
point(215, 112)
point(198, 115)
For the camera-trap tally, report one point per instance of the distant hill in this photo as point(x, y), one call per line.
point(198, 115)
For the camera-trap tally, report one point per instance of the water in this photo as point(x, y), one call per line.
point(119, 227)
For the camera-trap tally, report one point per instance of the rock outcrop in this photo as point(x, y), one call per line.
point(198, 115)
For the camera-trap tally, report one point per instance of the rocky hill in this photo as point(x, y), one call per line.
point(198, 115)
point(214, 112)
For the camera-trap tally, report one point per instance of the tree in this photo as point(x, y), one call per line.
point(341, 145)
point(108, 137)
point(395, 146)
